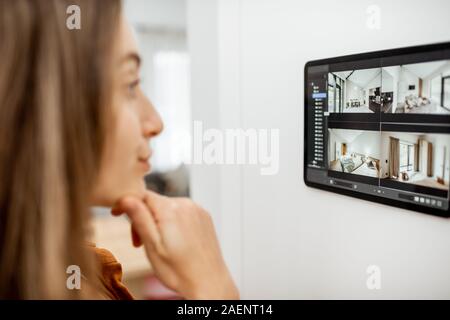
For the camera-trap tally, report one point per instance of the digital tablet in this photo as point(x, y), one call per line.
point(377, 127)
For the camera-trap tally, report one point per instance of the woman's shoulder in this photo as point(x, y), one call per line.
point(110, 274)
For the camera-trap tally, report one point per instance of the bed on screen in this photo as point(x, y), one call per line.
point(357, 164)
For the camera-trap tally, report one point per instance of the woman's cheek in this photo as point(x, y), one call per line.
point(128, 131)
point(131, 138)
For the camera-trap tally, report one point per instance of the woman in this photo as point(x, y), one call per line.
point(74, 133)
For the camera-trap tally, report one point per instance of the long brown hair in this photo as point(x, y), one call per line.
point(54, 98)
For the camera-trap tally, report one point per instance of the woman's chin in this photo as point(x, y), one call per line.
point(109, 199)
point(137, 191)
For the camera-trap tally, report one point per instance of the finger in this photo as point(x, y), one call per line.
point(135, 237)
point(155, 202)
point(142, 221)
point(116, 211)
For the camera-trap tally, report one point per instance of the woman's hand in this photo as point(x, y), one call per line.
point(181, 244)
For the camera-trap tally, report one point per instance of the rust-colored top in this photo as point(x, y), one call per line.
point(111, 275)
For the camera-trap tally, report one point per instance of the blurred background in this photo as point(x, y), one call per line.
point(239, 64)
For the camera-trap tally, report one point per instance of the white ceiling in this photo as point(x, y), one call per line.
point(347, 135)
point(425, 69)
point(361, 78)
point(343, 74)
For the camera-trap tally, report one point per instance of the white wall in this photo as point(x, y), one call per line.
point(387, 81)
point(406, 79)
point(362, 142)
point(334, 145)
point(157, 14)
point(367, 143)
point(352, 91)
point(282, 239)
point(394, 73)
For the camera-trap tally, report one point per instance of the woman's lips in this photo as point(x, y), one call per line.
point(145, 164)
point(144, 160)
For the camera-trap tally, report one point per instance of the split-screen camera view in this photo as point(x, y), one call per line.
point(409, 96)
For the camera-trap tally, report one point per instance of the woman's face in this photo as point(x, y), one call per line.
point(125, 161)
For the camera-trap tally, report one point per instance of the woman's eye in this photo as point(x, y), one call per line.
point(132, 88)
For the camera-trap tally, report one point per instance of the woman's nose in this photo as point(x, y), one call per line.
point(152, 123)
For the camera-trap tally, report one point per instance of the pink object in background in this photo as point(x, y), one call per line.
point(155, 290)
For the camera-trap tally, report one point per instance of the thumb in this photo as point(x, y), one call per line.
point(143, 224)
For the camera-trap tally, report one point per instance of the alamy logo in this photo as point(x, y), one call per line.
point(237, 146)
point(74, 279)
point(374, 17)
point(374, 280)
point(73, 22)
